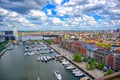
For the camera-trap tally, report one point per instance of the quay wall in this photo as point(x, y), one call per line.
point(4, 50)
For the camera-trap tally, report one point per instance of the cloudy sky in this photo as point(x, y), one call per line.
point(59, 14)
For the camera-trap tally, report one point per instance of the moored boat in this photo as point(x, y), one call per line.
point(85, 78)
point(38, 78)
point(79, 74)
point(42, 59)
point(70, 67)
point(58, 75)
point(45, 59)
point(10, 47)
point(38, 58)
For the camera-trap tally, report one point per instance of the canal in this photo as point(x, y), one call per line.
point(15, 66)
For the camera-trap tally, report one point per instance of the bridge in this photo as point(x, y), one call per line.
point(50, 35)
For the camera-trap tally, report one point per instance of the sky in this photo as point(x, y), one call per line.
point(28, 15)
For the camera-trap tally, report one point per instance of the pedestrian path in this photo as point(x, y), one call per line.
point(94, 73)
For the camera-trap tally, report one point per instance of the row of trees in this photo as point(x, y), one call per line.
point(110, 71)
point(91, 64)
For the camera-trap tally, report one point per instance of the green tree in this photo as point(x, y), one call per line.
point(91, 64)
point(85, 59)
point(77, 58)
point(100, 65)
point(110, 71)
point(48, 42)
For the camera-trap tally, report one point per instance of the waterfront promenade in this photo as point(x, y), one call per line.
point(94, 73)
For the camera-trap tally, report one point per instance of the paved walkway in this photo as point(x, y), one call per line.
point(95, 73)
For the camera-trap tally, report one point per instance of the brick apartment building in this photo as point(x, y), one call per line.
point(113, 60)
point(116, 61)
point(109, 60)
point(100, 55)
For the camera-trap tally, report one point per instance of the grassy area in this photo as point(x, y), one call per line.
point(19, 34)
point(48, 42)
point(103, 44)
point(66, 36)
point(3, 45)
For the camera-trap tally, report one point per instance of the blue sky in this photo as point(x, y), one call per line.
point(59, 14)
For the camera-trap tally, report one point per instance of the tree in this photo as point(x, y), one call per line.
point(48, 42)
point(91, 64)
point(77, 58)
point(85, 59)
point(100, 65)
point(92, 60)
point(110, 71)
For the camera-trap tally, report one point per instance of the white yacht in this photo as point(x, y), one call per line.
point(51, 51)
point(38, 78)
point(79, 74)
point(42, 58)
point(38, 58)
point(58, 75)
point(65, 62)
point(70, 67)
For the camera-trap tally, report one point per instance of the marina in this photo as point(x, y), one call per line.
point(24, 66)
point(60, 40)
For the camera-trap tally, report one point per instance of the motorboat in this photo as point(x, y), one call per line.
point(84, 78)
point(38, 58)
point(51, 51)
point(53, 57)
point(31, 53)
point(42, 59)
point(38, 78)
point(65, 62)
point(70, 67)
point(26, 49)
point(75, 71)
point(58, 75)
point(48, 58)
point(79, 74)
point(45, 59)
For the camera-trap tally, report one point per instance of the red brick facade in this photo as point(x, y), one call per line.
point(116, 64)
point(83, 51)
point(109, 60)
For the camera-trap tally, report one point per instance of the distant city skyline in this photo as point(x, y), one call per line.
point(59, 14)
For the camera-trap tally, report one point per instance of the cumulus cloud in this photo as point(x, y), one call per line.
point(3, 12)
point(14, 20)
point(36, 14)
point(22, 6)
point(57, 2)
point(81, 14)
